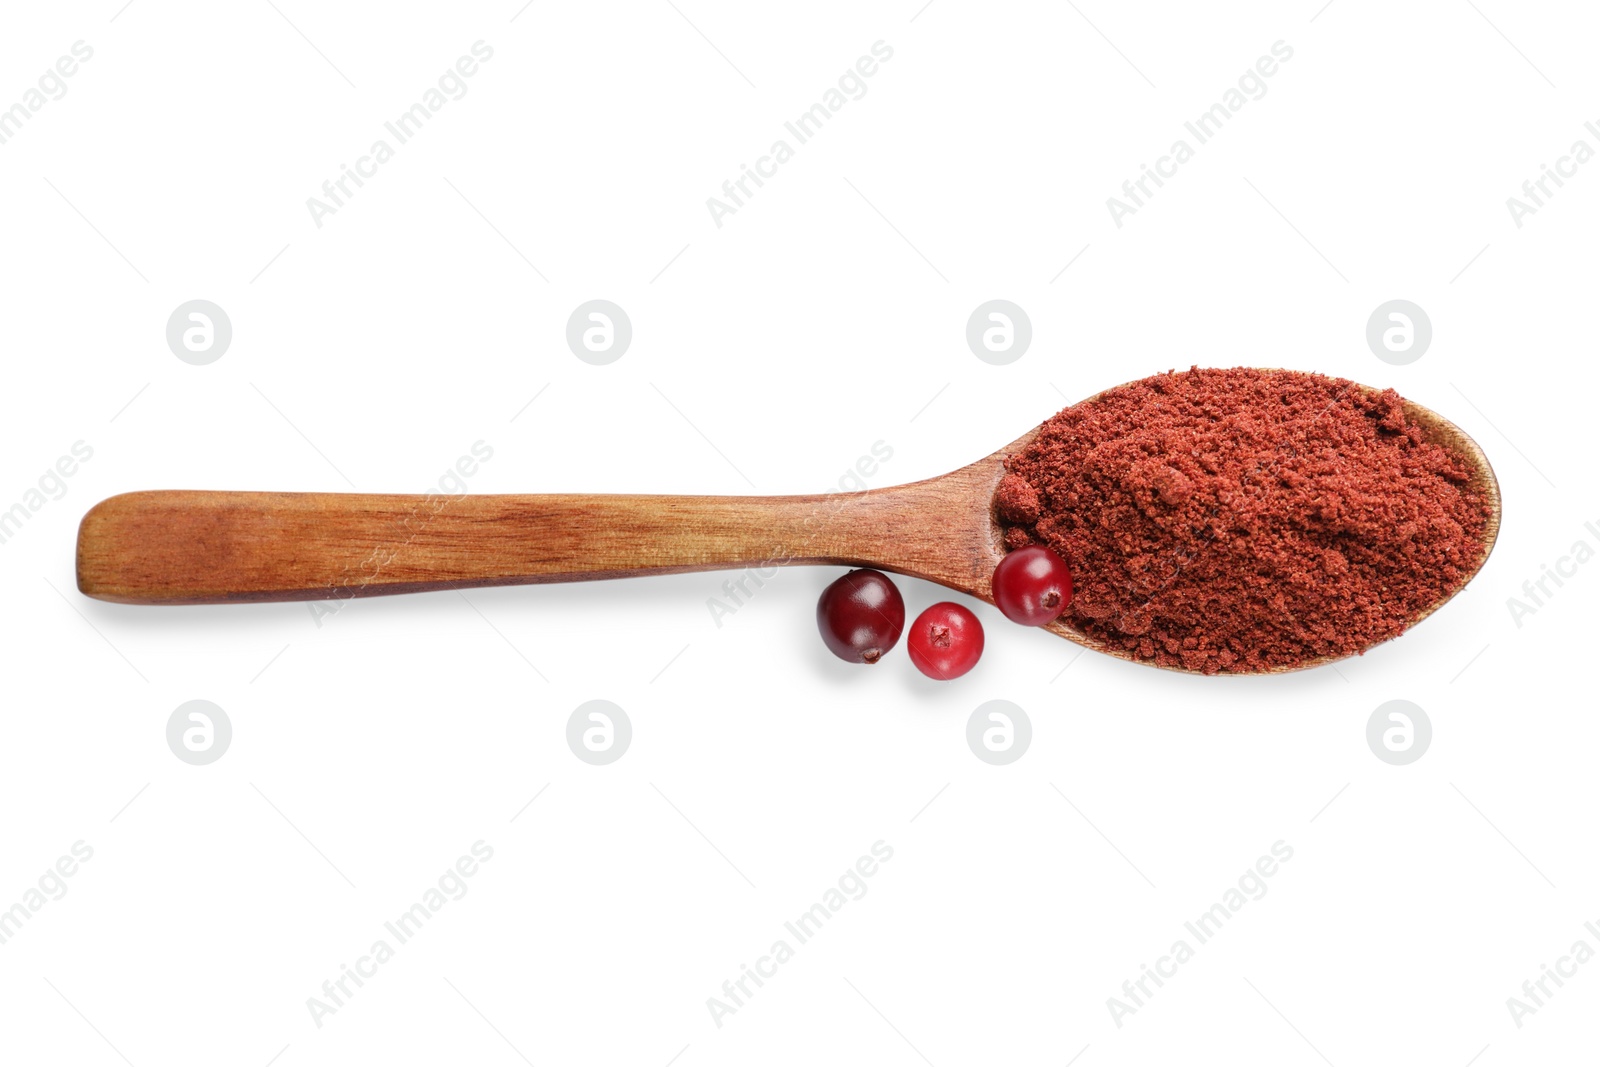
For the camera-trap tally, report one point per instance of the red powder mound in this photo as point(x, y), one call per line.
point(1244, 520)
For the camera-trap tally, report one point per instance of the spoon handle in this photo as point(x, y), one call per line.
point(192, 547)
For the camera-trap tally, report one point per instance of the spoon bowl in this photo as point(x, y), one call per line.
point(203, 547)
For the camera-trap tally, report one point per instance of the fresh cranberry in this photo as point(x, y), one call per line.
point(945, 641)
point(861, 616)
point(1032, 586)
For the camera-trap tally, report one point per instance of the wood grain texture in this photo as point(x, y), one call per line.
point(192, 547)
point(183, 547)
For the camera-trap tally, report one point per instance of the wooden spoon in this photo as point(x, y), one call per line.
point(192, 547)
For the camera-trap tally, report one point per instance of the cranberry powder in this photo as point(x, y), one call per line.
point(1245, 520)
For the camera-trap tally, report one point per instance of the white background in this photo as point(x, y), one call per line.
point(827, 314)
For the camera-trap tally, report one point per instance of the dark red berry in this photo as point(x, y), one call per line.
point(861, 616)
point(945, 641)
point(1032, 586)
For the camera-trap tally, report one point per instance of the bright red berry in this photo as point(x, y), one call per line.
point(945, 641)
point(861, 616)
point(1032, 586)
